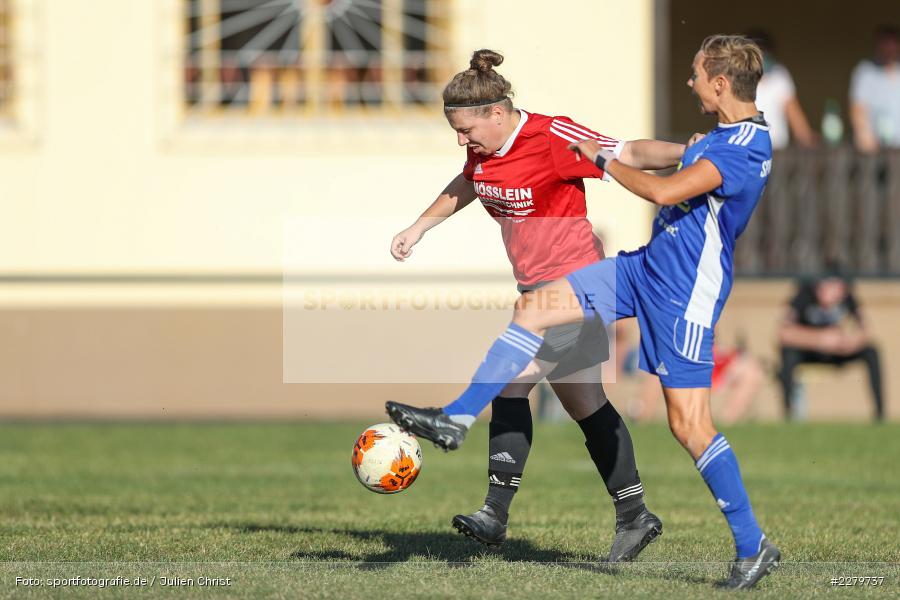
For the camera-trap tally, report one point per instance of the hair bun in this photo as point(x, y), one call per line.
point(485, 60)
point(479, 86)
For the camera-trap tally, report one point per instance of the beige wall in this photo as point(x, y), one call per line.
point(198, 361)
point(101, 173)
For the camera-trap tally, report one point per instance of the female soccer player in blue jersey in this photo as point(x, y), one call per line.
point(676, 286)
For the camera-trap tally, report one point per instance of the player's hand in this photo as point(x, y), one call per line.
point(832, 340)
point(854, 341)
point(401, 245)
point(586, 148)
point(592, 150)
point(695, 138)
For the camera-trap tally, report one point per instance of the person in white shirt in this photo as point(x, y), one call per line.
point(875, 95)
point(776, 98)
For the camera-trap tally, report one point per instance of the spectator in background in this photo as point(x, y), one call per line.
point(776, 98)
point(824, 326)
point(736, 378)
point(875, 94)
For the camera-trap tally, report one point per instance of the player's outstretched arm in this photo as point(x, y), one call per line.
point(699, 178)
point(458, 194)
point(651, 154)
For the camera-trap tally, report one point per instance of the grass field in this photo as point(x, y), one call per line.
point(276, 508)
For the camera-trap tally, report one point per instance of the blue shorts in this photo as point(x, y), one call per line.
point(677, 350)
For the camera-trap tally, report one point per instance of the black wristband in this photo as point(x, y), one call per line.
point(600, 161)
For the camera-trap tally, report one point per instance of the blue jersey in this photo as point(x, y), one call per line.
point(690, 257)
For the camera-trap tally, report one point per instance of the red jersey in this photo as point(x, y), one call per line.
point(533, 187)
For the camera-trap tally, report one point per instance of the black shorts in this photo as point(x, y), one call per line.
point(575, 346)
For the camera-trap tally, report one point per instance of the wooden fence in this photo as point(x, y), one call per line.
point(824, 206)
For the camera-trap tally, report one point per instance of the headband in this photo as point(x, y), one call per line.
point(485, 103)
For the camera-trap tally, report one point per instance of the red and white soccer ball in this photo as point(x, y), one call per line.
point(386, 459)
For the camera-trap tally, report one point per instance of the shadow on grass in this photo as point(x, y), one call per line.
point(455, 551)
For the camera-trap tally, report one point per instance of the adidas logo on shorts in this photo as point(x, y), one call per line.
point(503, 457)
point(661, 369)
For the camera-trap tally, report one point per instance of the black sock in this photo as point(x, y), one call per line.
point(870, 355)
point(609, 443)
point(510, 432)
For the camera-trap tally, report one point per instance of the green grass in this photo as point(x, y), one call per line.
point(277, 509)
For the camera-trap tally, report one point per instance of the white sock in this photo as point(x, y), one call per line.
point(464, 420)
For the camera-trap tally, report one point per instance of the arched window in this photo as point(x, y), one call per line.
point(315, 57)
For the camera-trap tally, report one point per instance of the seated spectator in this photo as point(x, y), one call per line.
point(737, 377)
point(824, 326)
point(875, 95)
point(776, 98)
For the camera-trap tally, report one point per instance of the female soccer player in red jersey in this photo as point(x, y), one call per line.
point(519, 168)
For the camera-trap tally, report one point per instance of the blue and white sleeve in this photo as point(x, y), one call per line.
point(733, 163)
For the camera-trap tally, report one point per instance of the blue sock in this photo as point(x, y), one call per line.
point(508, 357)
point(719, 467)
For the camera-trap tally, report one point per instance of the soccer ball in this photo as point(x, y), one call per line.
point(386, 459)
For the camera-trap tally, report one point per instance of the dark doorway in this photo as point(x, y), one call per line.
point(819, 42)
